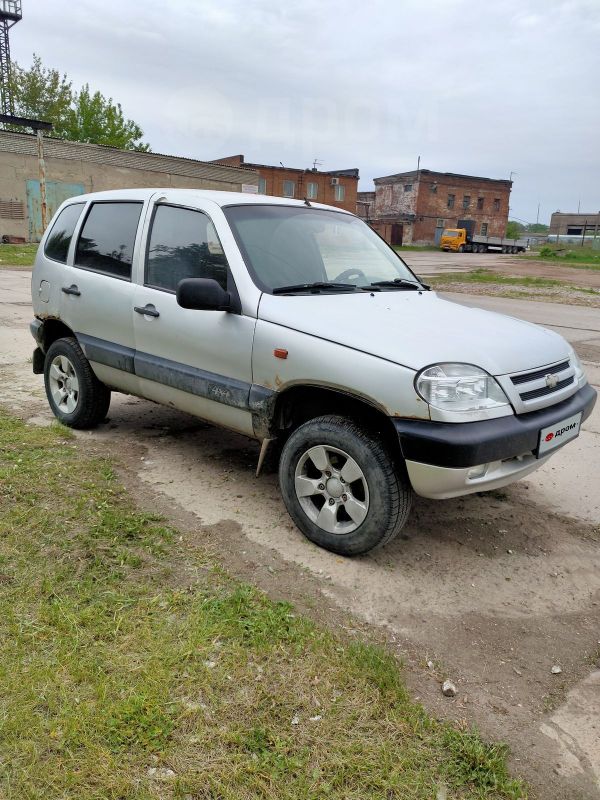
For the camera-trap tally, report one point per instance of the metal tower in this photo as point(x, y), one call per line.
point(10, 14)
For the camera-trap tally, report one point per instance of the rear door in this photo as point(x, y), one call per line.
point(97, 291)
point(197, 361)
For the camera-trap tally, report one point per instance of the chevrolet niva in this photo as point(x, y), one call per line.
point(293, 323)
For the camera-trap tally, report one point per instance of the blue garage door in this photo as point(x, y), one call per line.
point(56, 193)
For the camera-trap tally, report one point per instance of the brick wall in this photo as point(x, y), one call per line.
point(420, 202)
point(275, 180)
point(486, 202)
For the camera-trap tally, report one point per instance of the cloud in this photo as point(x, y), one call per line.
point(484, 90)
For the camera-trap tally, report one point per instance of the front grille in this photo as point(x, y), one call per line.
point(539, 373)
point(544, 390)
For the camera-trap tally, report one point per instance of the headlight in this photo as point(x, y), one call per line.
point(576, 364)
point(459, 387)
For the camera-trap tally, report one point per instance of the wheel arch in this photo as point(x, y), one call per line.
point(50, 330)
point(302, 402)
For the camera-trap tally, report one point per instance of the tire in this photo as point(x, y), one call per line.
point(317, 491)
point(76, 396)
point(461, 249)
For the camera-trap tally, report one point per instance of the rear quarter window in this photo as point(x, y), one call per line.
point(59, 239)
point(107, 238)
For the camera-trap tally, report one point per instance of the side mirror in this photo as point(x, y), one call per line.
point(203, 294)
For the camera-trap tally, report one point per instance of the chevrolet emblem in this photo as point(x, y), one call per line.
point(551, 381)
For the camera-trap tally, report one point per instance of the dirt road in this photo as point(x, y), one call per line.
point(493, 590)
point(431, 262)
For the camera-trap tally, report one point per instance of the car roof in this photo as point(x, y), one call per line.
point(219, 198)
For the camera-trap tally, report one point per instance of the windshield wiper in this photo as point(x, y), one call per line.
point(316, 287)
point(401, 283)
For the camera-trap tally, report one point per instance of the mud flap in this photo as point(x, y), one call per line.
point(38, 361)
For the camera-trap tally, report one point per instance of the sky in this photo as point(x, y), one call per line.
point(481, 88)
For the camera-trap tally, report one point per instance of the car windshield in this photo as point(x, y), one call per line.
point(291, 246)
point(450, 234)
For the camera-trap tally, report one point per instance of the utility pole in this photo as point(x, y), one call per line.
point(37, 126)
point(537, 219)
point(10, 14)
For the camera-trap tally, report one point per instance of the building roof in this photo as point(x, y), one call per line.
point(431, 174)
point(26, 144)
point(351, 172)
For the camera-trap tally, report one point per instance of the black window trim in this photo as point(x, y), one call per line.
point(68, 205)
point(82, 226)
point(231, 287)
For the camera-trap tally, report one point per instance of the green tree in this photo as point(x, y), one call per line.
point(95, 118)
point(84, 116)
point(514, 229)
point(537, 227)
point(41, 93)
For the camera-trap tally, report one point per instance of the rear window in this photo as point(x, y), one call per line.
point(107, 238)
point(57, 243)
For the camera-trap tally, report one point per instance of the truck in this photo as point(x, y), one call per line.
point(462, 239)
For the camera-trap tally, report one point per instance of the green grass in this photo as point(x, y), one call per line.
point(17, 255)
point(417, 247)
point(568, 256)
point(488, 276)
point(132, 667)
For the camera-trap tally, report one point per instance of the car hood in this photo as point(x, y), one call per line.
point(416, 330)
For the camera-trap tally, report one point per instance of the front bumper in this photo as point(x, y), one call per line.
point(445, 459)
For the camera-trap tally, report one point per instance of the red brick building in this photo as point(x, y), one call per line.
point(415, 207)
point(335, 188)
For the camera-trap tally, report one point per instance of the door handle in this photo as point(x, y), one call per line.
point(148, 310)
point(72, 289)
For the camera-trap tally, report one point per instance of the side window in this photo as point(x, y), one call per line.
point(57, 243)
point(107, 238)
point(183, 244)
point(289, 189)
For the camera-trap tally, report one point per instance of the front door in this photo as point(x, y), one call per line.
point(197, 361)
point(396, 237)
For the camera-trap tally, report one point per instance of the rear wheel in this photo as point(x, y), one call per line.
point(341, 487)
point(76, 396)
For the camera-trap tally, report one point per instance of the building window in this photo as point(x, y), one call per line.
point(408, 187)
point(340, 192)
point(451, 199)
point(289, 189)
point(484, 228)
point(480, 204)
point(497, 204)
point(434, 188)
point(183, 244)
point(312, 189)
point(466, 201)
point(262, 185)
point(107, 238)
point(439, 223)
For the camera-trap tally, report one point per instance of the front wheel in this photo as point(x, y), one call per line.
point(341, 487)
point(76, 396)
point(461, 249)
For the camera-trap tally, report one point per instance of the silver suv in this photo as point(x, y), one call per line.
point(295, 324)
